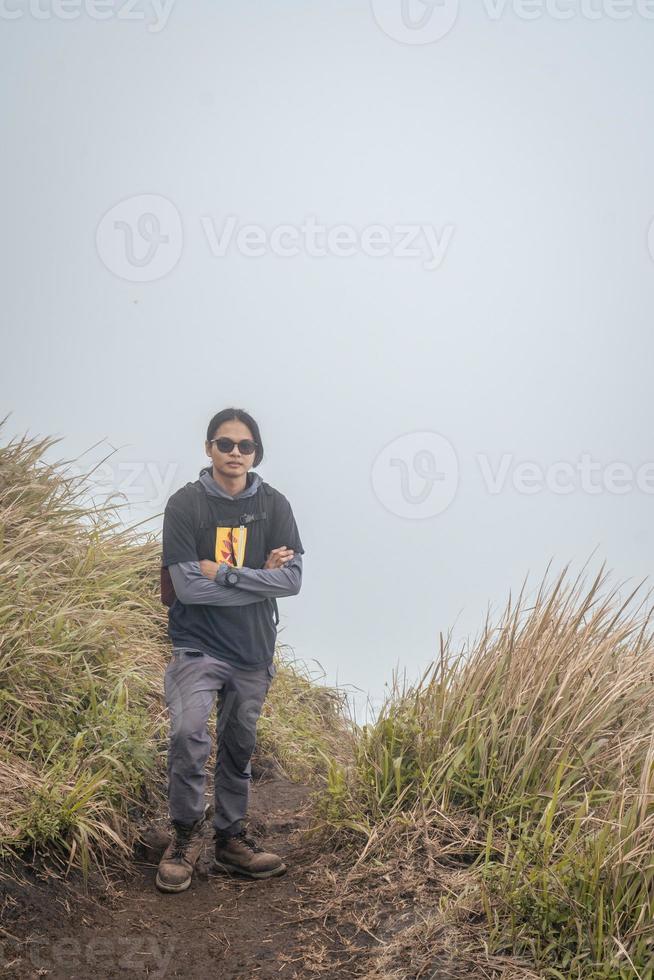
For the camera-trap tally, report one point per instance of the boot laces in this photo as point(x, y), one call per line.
point(184, 837)
point(249, 842)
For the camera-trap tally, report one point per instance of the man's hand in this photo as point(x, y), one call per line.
point(278, 557)
point(209, 568)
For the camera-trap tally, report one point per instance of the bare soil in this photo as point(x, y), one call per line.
point(222, 926)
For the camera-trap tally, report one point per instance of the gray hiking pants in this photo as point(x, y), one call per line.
point(191, 684)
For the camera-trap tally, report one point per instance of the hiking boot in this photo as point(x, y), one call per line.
point(241, 855)
point(179, 859)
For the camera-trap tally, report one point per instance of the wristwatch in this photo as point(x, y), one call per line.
point(225, 570)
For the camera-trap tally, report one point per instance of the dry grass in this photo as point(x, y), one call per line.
point(528, 762)
point(305, 725)
point(496, 819)
point(81, 657)
point(83, 648)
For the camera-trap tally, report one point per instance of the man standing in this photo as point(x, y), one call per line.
point(231, 547)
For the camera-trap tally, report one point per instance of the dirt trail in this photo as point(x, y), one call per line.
point(222, 926)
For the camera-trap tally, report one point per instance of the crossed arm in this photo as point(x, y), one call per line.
point(200, 582)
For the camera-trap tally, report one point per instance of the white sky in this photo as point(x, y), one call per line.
point(525, 147)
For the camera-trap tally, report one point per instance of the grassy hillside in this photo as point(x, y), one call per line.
point(498, 815)
point(83, 648)
point(528, 762)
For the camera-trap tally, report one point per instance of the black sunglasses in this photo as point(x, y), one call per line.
point(245, 447)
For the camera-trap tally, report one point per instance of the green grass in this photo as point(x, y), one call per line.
point(304, 725)
point(527, 759)
point(81, 658)
point(83, 649)
point(531, 756)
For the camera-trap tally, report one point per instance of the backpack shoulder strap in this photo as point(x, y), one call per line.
point(201, 503)
point(269, 493)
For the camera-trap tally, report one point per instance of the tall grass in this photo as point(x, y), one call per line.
point(83, 648)
point(81, 657)
point(304, 726)
point(527, 759)
point(530, 755)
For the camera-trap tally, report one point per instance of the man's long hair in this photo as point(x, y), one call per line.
point(227, 415)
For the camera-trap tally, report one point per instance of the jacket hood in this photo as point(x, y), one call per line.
point(212, 488)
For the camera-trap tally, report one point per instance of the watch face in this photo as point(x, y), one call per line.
point(232, 578)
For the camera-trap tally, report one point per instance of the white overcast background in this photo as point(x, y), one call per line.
point(393, 390)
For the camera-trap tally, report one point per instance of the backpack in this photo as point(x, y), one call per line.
point(167, 589)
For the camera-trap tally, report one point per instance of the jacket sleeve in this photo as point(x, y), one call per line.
point(193, 588)
point(267, 583)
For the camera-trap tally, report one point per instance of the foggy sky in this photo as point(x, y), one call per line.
point(485, 302)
